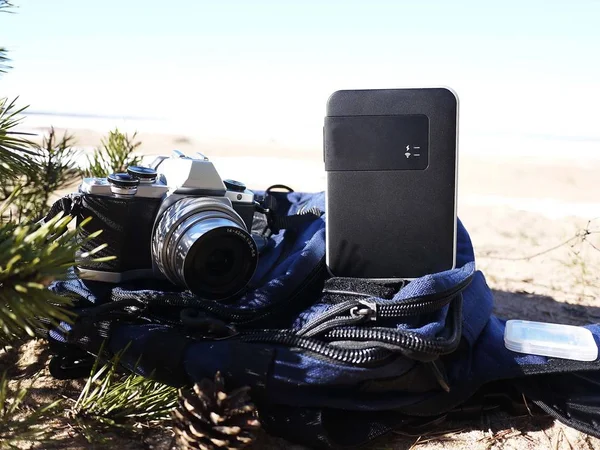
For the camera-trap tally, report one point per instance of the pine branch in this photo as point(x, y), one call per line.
point(15, 149)
point(56, 164)
point(18, 424)
point(3, 60)
point(110, 400)
point(5, 6)
point(58, 160)
point(32, 256)
point(115, 154)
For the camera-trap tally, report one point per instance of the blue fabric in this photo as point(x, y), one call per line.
point(295, 377)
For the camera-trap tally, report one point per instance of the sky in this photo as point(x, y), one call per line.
point(264, 69)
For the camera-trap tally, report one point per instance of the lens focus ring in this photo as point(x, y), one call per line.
point(170, 220)
point(202, 244)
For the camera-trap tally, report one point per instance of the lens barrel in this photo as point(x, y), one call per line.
point(202, 244)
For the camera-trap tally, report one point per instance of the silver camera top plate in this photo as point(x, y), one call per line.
point(101, 186)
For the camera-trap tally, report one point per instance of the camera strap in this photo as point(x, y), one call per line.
point(271, 204)
point(69, 204)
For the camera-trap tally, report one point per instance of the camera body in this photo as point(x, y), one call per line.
point(173, 219)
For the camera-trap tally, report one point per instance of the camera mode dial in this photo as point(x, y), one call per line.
point(233, 185)
point(144, 174)
point(123, 183)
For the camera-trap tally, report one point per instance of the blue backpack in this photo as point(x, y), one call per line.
point(331, 361)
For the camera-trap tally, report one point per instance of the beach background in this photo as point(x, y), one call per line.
point(246, 83)
point(553, 177)
point(547, 175)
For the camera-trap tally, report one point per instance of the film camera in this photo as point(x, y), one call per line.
point(174, 219)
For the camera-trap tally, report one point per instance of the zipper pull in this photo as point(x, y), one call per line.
point(368, 310)
point(347, 313)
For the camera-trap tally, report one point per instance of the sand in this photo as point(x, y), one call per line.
point(518, 211)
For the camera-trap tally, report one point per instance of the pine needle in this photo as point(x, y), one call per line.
point(111, 400)
point(3, 60)
point(32, 256)
point(115, 154)
point(15, 149)
point(56, 168)
point(4, 5)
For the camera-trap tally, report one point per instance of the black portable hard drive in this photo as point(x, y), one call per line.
point(391, 168)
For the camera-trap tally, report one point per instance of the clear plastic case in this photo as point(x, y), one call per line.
point(550, 339)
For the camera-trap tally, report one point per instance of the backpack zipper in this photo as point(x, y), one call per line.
point(372, 310)
point(358, 356)
point(389, 340)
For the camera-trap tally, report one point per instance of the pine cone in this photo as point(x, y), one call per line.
point(208, 418)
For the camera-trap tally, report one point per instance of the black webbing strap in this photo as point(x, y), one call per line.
point(275, 220)
point(68, 204)
point(278, 223)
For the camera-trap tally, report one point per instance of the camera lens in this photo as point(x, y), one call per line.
point(218, 264)
point(202, 244)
